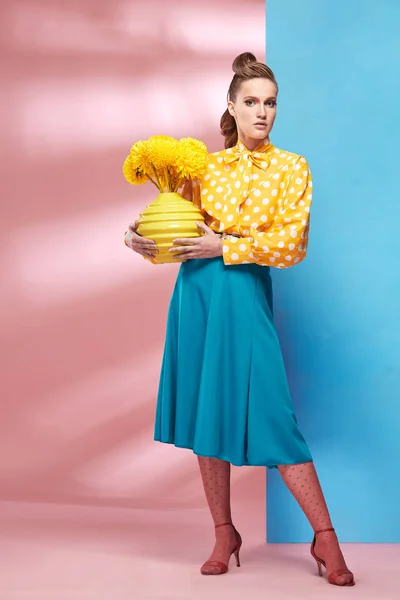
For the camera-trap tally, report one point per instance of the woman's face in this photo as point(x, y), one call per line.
point(254, 110)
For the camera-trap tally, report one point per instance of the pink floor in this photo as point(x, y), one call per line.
point(52, 552)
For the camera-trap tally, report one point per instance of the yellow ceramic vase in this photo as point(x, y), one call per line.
point(168, 217)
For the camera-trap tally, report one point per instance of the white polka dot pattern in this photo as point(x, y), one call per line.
point(264, 197)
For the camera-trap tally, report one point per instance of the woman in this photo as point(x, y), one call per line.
point(223, 389)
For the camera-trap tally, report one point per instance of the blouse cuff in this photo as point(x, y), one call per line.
point(236, 250)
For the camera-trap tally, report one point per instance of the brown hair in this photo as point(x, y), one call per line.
point(245, 66)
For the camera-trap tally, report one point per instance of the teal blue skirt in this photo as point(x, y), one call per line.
point(223, 389)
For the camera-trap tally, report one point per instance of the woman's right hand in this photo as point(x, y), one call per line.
point(138, 243)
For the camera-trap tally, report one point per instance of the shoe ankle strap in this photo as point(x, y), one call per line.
point(222, 524)
point(324, 530)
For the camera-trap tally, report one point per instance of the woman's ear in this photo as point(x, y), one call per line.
point(231, 109)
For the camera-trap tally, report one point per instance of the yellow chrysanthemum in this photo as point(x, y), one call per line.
point(165, 162)
point(192, 158)
point(139, 155)
point(132, 173)
point(162, 151)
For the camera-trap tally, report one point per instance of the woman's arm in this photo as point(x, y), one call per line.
point(285, 243)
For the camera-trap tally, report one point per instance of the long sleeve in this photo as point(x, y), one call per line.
point(192, 191)
point(283, 243)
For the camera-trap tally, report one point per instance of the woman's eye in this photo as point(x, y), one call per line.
point(271, 103)
point(249, 102)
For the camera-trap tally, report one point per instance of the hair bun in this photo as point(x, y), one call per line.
point(242, 61)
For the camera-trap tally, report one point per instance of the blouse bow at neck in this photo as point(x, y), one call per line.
point(260, 157)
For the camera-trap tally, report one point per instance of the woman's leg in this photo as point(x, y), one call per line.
point(216, 476)
point(302, 480)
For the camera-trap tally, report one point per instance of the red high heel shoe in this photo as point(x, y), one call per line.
point(222, 567)
point(332, 577)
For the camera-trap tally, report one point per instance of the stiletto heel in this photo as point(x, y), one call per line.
point(216, 564)
point(236, 553)
point(332, 577)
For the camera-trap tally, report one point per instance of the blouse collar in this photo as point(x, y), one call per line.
point(263, 146)
point(260, 156)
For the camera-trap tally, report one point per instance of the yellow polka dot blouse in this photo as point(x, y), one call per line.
point(261, 201)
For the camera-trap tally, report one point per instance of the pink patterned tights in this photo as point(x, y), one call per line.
point(302, 481)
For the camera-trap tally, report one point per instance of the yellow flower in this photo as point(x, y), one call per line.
point(132, 173)
point(139, 155)
point(162, 151)
point(165, 162)
point(192, 158)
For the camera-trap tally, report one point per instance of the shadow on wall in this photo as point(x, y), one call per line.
point(82, 317)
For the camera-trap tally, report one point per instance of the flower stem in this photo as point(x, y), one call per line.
point(157, 179)
point(179, 182)
point(169, 180)
point(153, 182)
point(174, 180)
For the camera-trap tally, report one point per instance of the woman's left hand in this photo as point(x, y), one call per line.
point(208, 245)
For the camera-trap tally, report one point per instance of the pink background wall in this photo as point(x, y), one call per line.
point(82, 317)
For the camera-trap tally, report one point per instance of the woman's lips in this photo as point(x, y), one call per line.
point(260, 125)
